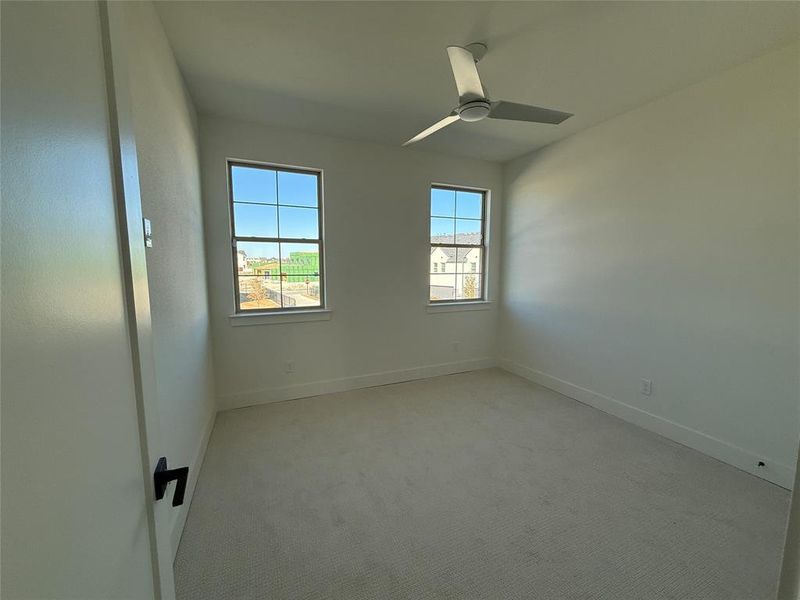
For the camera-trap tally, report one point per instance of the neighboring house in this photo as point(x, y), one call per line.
point(455, 272)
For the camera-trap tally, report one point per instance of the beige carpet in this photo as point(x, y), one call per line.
point(471, 486)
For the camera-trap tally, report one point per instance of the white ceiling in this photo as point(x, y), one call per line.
point(378, 71)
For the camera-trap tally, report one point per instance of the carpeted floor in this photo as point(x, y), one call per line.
point(472, 486)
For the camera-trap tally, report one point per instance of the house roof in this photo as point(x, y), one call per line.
point(449, 251)
point(461, 238)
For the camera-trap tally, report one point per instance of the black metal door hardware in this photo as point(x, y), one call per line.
point(163, 476)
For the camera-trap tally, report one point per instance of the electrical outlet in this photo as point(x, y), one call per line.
point(646, 387)
point(289, 367)
point(456, 346)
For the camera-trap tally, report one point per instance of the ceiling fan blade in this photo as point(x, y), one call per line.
point(452, 117)
point(512, 111)
point(468, 81)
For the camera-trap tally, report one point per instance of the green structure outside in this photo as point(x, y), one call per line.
point(299, 267)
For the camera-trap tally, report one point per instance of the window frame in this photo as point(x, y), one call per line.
point(483, 245)
point(238, 310)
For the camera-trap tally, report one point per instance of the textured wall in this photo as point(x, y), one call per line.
point(169, 176)
point(663, 244)
point(73, 499)
point(376, 203)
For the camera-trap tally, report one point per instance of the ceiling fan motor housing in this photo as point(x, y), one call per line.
point(474, 110)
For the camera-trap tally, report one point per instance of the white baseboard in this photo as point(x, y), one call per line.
point(194, 470)
point(775, 472)
point(343, 384)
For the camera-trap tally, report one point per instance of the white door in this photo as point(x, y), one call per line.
point(79, 440)
point(132, 249)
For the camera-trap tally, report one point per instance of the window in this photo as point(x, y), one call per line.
point(458, 225)
point(276, 230)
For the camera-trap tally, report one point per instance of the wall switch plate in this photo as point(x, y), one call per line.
point(456, 346)
point(646, 387)
point(289, 368)
point(148, 233)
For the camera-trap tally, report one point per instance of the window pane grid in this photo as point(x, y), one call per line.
point(280, 262)
point(281, 272)
point(457, 230)
point(433, 215)
point(244, 238)
point(255, 203)
point(235, 202)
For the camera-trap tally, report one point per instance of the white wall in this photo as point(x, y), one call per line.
point(376, 202)
point(663, 244)
point(167, 148)
point(74, 521)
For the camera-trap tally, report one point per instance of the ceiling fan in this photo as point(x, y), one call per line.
point(473, 103)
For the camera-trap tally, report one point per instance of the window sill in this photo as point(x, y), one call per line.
point(280, 317)
point(446, 307)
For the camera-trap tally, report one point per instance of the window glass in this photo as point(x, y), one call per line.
point(297, 189)
point(457, 220)
point(443, 203)
point(277, 243)
point(249, 184)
